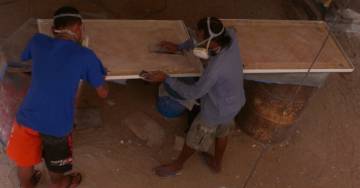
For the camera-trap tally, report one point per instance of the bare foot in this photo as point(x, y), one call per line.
point(168, 170)
point(36, 177)
point(74, 180)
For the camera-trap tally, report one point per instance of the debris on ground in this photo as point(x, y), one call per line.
point(145, 128)
point(88, 118)
point(346, 20)
point(111, 103)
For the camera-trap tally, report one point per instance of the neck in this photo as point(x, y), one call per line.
point(65, 33)
point(215, 47)
point(65, 37)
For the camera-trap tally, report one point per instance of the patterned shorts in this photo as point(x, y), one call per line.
point(201, 136)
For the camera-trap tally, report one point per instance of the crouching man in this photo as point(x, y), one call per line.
point(219, 88)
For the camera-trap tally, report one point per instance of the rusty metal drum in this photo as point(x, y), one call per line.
point(271, 110)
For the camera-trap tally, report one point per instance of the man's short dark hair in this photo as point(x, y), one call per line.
point(66, 21)
point(216, 26)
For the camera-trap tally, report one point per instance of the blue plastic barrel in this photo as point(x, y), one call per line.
point(169, 108)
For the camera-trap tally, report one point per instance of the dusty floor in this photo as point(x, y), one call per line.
point(323, 152)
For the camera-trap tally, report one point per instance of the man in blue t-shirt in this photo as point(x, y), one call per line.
point(44, 121)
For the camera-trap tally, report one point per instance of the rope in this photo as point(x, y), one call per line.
point(299, 87)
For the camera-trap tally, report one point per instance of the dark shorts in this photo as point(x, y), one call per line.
point(57, 153)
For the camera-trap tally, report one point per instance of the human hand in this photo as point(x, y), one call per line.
point(102, 91)
point(169, 46)
point(154, 76)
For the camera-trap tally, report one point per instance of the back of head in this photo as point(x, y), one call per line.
point(216, 26)
point(66, 16)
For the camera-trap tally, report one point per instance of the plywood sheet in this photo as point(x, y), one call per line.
point(273, 46)
point(267, 46)
point(124, 46)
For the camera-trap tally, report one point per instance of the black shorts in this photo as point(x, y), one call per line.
point(57, 153)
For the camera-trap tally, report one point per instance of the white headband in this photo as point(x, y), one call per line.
point(68, 15)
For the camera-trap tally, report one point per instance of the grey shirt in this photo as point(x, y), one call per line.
point(220, 87)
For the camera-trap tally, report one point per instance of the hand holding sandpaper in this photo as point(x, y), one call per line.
point(154, 76)
point(165, 47)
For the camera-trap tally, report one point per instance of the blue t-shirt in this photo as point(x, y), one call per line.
point(57, 67)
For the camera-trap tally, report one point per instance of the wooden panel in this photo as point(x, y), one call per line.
point(124, 46)
point(270, 46)
point(267, 46)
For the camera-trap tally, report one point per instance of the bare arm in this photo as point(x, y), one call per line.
point(173, 47)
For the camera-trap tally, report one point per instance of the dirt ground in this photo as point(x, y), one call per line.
point(322, 152)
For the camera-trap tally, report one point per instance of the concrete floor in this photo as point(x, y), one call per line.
point(323, 152)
